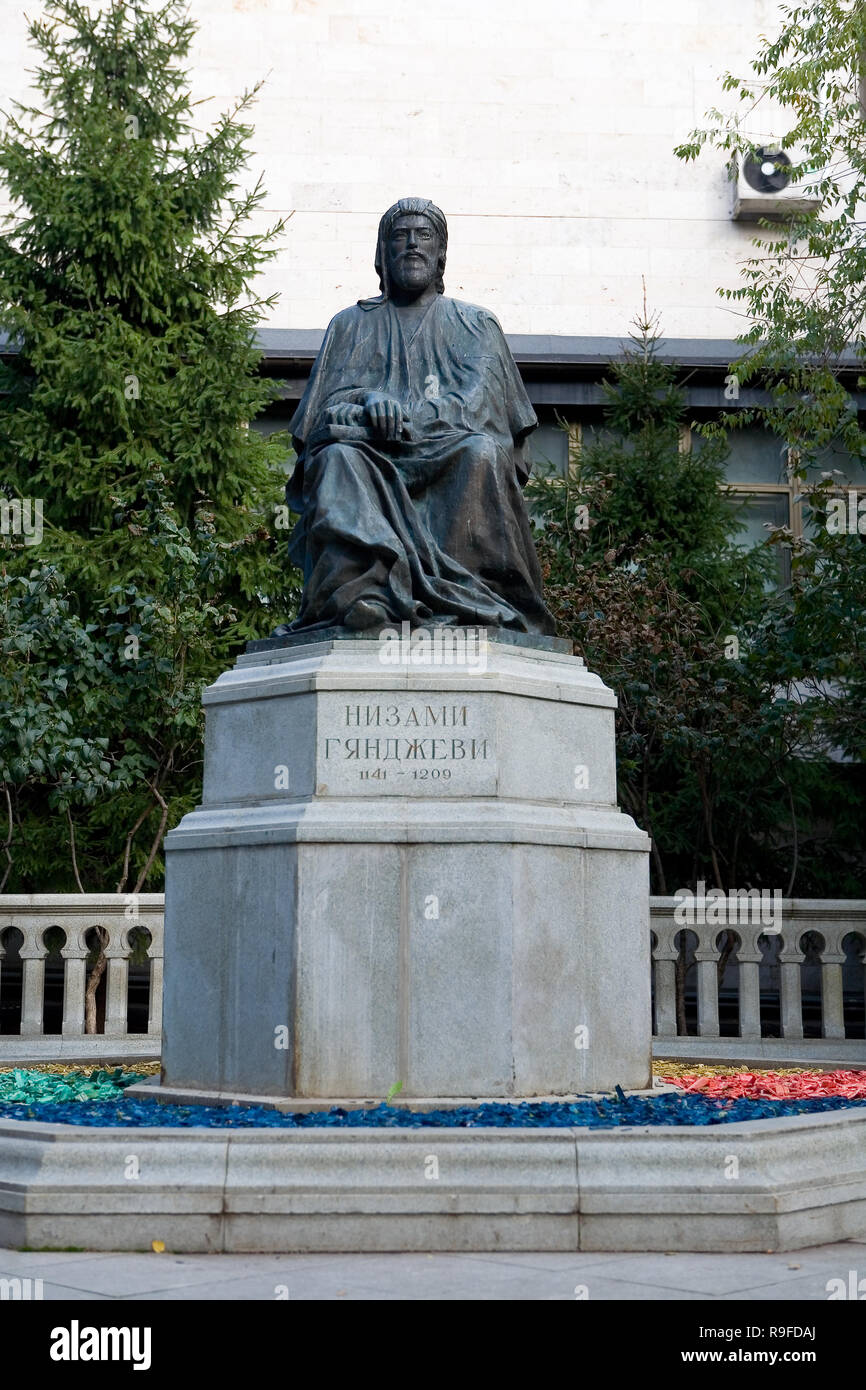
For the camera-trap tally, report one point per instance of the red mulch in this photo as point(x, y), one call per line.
point(772, 1085)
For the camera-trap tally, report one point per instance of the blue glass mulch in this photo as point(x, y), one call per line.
point(610, 1113)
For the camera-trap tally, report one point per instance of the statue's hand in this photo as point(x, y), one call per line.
point(387, 417)
point(345, 414)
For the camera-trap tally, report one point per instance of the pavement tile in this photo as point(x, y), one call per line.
point(438, 1277)
point(134, 1276)
point(732, 1275)
point(25, 1261)
point(811, 1289)
point(542, 1259)
point(351, 1290)
point(65, 1293)
point(597, 1289)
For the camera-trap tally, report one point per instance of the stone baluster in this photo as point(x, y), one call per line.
point(117, 983)
point(664, 957)
point(74, 954)
point(832, 960)
point(666, 996)
point(707, 955)
point(154, 951)
point(790, 960)
point(33, 953)
point(749, 957)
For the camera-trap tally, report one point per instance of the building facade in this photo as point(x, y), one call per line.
point(546, 133)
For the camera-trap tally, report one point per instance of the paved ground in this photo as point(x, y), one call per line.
point(802, 1274)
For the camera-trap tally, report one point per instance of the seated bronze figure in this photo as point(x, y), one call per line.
point(410, 443)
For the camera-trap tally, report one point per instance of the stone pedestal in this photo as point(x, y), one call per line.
point(407, 874)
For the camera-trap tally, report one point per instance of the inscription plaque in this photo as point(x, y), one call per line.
point(407, 746)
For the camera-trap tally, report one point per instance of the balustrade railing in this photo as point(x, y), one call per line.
point(743, 975)
point(59, 931)
point(801, 980)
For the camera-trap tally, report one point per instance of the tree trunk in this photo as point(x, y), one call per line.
point(96, 974)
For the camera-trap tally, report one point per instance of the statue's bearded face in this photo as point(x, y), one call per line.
point(413, 253)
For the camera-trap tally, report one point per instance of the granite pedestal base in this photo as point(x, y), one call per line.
point(408, 875)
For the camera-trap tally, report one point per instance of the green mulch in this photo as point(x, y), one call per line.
point(23, 1085)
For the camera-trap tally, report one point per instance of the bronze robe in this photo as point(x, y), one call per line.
point(432, 526)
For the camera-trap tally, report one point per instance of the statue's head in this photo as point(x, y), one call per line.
point(410, 251)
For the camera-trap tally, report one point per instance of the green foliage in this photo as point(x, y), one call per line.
point(49, 664)
point(804, 295)
point(106, 717)
point(815, 642)
point(649, 494)
point(715, 760)
point(803, 290)
point(126, 276)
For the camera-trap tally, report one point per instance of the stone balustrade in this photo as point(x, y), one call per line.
point(765, 966)
point(760, 967)
point(34, 915)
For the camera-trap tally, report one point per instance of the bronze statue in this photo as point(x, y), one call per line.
point(410, 443)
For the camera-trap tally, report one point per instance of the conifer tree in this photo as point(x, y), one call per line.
point(127, 272)
point(643, 485)
point(642, 571)
point(125, 284)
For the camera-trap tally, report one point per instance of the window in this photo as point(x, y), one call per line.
point(547, 449)
point(758, 472)
point(849, 473)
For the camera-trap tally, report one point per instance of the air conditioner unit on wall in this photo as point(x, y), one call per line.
point(761, 185)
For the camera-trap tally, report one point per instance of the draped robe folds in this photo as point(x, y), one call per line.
point(432, 526)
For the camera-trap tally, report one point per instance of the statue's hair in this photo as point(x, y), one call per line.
point(421, 207)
